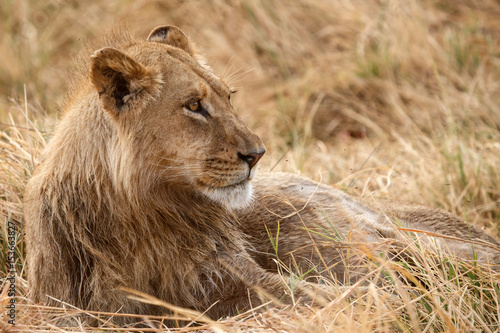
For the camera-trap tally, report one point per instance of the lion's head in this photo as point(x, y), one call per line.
point(175, 116)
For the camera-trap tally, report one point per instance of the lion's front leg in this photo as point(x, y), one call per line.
point(244, 285)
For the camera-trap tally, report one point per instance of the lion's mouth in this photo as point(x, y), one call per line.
point(241, 183)
point(233, 196)
point(230, 187)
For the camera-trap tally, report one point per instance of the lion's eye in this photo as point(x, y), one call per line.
point(229, 98)
point(197, 108)
point(193, 106)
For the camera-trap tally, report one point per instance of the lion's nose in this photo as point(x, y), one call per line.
point(252, 158)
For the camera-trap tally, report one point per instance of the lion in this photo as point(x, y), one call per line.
point(149, 183)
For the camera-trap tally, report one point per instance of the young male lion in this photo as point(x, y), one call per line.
point(147, 184)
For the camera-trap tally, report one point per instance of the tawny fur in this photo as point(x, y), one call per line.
point(136, 190)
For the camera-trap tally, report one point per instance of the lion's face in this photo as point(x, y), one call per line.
point(177, 117)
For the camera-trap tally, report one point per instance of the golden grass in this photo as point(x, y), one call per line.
point(380, 98)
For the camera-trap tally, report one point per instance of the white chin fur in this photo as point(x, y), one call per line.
point(232, 197)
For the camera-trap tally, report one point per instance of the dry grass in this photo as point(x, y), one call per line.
point(381, 98)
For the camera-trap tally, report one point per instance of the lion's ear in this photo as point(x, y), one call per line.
point(120, 80)
point(171, 35)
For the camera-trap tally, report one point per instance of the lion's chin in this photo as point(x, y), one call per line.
point(233, 197)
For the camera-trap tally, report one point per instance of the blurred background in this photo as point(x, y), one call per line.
point(396, 99)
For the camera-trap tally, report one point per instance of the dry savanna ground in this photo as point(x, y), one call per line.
point(390, 99)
